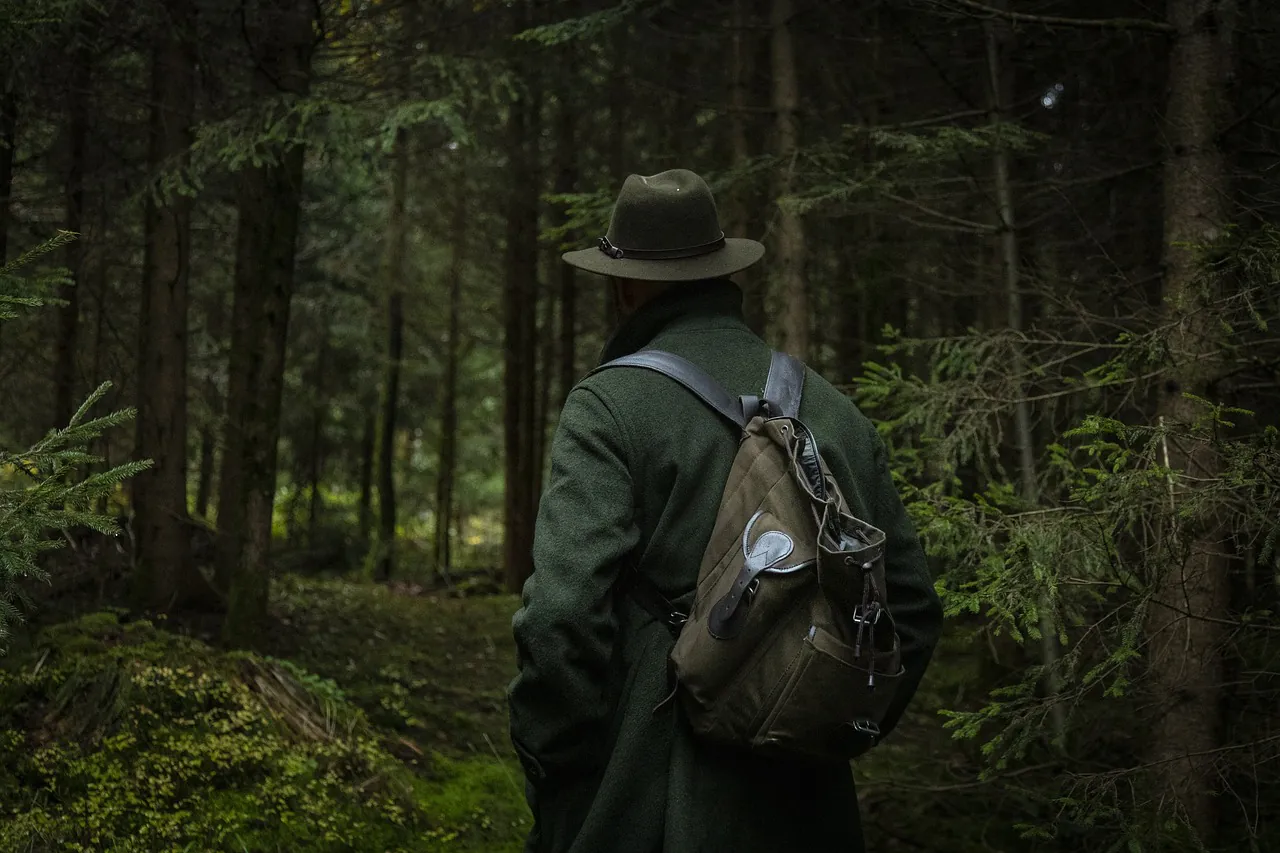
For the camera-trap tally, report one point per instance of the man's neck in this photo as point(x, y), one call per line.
point(698, 299)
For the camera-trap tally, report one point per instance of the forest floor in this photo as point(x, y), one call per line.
point(374, 721)
point(432, 669)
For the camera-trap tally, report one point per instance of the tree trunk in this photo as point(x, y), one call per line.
point(999, 43)
point(790, 248)
point(738, 214)
point(1185, 650)
point(269, 199)
point(397, 244)
point(566, 181)
point(8, 144)
point(165, 577)
point(530, 442)
point(216, 320)
point(520, 328)
point(292, 514)
point(542, 416)
point(204, 483)
point(367, 442)
point(101, 297)
point(316, 447)
point(568, 332)
point(618, 89)
point(860, 278)
point(64, 377)
point(449, 406)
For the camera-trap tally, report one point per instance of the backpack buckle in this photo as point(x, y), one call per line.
point(860, 613)
point(866, 727)
point(675, 620)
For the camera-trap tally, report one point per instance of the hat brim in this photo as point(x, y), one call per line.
point(737, 255)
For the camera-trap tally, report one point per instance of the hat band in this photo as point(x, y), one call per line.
point(659, 254)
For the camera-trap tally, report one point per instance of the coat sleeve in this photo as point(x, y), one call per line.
point(565, 630)
point(916, 609)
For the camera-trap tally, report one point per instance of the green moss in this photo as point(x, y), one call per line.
point(119, 737)
point(479, 805)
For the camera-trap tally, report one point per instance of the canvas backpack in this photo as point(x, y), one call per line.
point(789, 648)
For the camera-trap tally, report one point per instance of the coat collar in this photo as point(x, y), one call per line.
point(712, 304)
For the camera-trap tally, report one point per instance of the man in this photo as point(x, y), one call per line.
point(638, 466)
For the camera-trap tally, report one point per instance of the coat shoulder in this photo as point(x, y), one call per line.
point(830, 407)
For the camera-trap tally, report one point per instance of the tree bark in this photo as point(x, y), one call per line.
point(216, 319)
point(68, 336)
point(618, 91)
point(515, 560)
point(566, 181)
point(207, 465)
point(860, 275)
point(738, 218)
point(1184, 651)
point(790, 246)
point(546, 346)
point(316, 446)
point(530, 440)
point(367, 443)
point(101, 298)
point(269, 200)
point(165, 577)
point(397, 244)
point(999, 44)
point(8, 146)
point(520, 325)
point(449, 407)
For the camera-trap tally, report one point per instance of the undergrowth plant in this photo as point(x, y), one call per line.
point(1111, 516)
point(44, 488)
point(119, 736)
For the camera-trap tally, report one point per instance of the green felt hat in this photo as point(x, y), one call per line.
point(665, 228)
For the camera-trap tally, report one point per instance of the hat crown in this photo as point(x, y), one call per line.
point(669, 210)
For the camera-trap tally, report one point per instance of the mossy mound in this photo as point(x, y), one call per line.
point(120, 737)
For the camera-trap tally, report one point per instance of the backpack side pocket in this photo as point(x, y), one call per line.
point(832, 702)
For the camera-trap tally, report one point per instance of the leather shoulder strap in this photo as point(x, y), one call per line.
point(785, 384)
point(687, 374)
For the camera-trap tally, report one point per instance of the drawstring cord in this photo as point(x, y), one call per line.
point(867, 615)
point(860, 614)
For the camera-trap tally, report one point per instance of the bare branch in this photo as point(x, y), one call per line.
point(976, 227)
point(1056, 21)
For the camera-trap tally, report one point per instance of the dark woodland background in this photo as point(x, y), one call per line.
point(285, 334)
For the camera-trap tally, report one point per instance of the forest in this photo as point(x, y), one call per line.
point(284, 333)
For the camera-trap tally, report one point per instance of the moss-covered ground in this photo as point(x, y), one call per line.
point(374, 722)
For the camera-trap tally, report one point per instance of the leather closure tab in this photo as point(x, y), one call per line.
point(769, 549)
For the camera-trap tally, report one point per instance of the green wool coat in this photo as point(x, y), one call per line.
point(638, 465)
